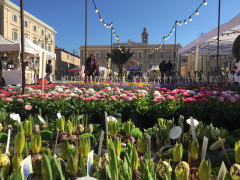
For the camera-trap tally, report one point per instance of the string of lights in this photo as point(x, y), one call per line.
point(107, 25)
point(180, 22)
point(212, 42)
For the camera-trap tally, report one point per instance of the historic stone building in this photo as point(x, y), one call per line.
point(35, 30)
point(142, 52)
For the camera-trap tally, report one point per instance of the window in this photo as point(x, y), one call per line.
point(151, 55)
point(35, 42)
point(162, 54)
point(14, 35)
point(25, 24)
point(35, 28)
point(108, 52)
point(97, 55)
point(140, 54)
point(68, 57)
point(42, 33)
point(42, 45)
point(185, 60)
point(141, 66)
point(150, 65)
point(174, 54)
point(14, 18)
point(49, 48)
point(49, 36)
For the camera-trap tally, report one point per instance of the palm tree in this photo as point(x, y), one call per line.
point(120, 56)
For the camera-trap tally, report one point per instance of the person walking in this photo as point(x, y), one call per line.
point(162, 67)
point(169, 68)
point(49, 71)
point(91, 67)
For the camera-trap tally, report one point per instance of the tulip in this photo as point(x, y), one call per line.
point(182, 175)
point(194, 149)
point(204, 170)
point(177, 152)
point(237, 152)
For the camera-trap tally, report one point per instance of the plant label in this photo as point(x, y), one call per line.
point(26, 167)
point(59, 115)
point(8, 141)
point(89, 161)
point(80, 117)
point(149, 145)
point(175, 132)
point(124, 144)
point(204, 147)
point(56, 140)
point(100, 144)
point(41, 119)
point(222, 172)
point(193, 128)
point(106, 123)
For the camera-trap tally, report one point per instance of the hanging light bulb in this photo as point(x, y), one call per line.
point(105, 24)
point(228, 36)
point(176, 22)
point(233, 33)
point(113, 30)
point(201, 46)
point(171, 33)
point(173, 29)
point(168, 36)
point(190, 19)
point(111, 25)
point(223, 35)
point(212, 42)
point(205, 3)
point(100, 19)
point(96, 10)
point(180, 23)
point(197, 13)
point(185, 21)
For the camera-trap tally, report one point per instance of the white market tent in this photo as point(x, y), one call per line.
point(102, 69)
point(8, 46)
point(207, 44)
point(37, 51)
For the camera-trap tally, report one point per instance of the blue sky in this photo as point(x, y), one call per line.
point(67, 17)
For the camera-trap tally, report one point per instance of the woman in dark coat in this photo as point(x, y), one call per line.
point(91, 66)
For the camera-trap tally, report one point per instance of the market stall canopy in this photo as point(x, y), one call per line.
point(154, 68)
point(208, 42)
point(102, 69)
point(8, 45)
point(28, 45)
point(77, 68)
point(133, 68)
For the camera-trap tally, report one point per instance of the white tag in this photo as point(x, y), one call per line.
point(8, 141)
point(56, 140)
point(175, 132)
point(100, 144)
point(89, 161)
point(59, 115)
point(80, 116)
point(26, 167)
point(193, 129)
point(106, 123)
point(41, 119)
point(222, 172)
point(204, 147)
point(124, 144)
point(149, 145)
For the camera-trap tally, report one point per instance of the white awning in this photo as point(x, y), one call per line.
point(208, 42)
point(8, 45)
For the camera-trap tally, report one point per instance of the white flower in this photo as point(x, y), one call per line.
point(75, 89)
point(101, 92)
point(157, 93)
point(190, 92)
point(120, 89)
point(72, 94)
point(58, 89)
point(91, 90)
point(214, 92)
point(29, 89)
point(123, 95)
point(67, 90)
point(15, 117)
point(109, 88)
point(41, 119)
point(143, 91)
point(111, 118)
point(80, 91)
point(18, 85)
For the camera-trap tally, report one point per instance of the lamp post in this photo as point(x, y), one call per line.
point(86, 39)
point(218, 40)
point(175, 42)
point(22, 45)
point(111, 51)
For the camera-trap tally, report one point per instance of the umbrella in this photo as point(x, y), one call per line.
point(75, 69)
point(133, 68)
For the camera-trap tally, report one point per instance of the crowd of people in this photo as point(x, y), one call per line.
point(166, 68)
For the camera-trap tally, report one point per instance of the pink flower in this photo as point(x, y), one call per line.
point(221, 99)
point(205, 100)
point(104, 90)
point(29, 97)
point(13, 92)
point(113, 98)
point(187, 95)
point(143, 94)
point(170, 97)
point(66, 99)
point(75, 95)
point(129, 99)
point(28, 107)
point(103, 99)
point(2, 95)
point(232, 99)
point(157, 88)
point(155, 100)
point(20, 100)
point(117, 96)
point(9, 99)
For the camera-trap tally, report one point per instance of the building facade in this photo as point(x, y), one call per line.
point(64, 62)
point(34, 29)
point(142, 52)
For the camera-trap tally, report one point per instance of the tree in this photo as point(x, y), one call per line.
point(120, 57)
